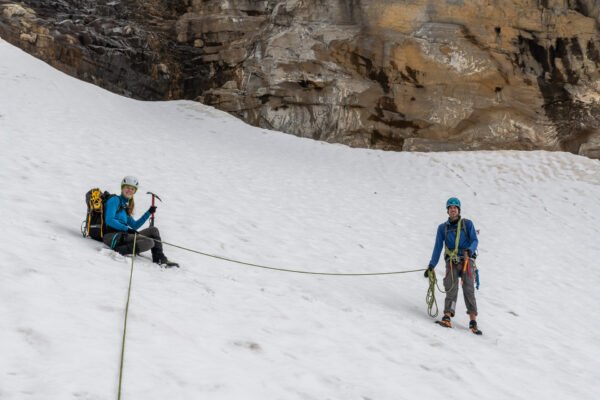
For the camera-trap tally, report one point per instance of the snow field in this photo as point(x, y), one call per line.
point(218, 330)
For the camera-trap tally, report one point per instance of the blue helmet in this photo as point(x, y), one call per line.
point(453, 201)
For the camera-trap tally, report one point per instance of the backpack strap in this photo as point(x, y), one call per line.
point(110, 196)
point(465, 230)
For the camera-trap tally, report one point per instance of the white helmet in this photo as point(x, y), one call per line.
point(130, 181)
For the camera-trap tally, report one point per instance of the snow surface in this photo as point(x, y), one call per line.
point(217, 330)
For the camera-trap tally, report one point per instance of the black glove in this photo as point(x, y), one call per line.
point(132, 231)
point(429, 268)
point(471, 254)
point(152, 210)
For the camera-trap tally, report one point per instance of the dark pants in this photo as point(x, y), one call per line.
point(454, 272)
point(122, 242)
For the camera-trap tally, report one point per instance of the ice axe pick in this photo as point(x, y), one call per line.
point(153, 197)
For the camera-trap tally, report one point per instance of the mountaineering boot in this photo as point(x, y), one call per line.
point(169, 264)
point(445, 322)
point(161, 259)
point(473, 328)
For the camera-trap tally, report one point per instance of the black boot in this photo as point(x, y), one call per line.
point(169, 264)
point(159, 258)
point(473, 327)
point(445, 322)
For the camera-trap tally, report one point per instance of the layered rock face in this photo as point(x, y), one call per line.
point(410, 75)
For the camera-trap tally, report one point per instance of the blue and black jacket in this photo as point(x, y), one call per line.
point(466, 242)
point(116, 218)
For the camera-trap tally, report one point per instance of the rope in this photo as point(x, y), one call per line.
point(453, 255)
point(281, 269)
point(125, 322)
point(430, 297)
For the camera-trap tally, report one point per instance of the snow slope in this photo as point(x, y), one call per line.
point(217, 330)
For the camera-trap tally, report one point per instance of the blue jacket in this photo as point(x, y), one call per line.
point(463, 244)
point(116, 217)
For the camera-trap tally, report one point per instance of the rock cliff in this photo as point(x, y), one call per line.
point(415, 75)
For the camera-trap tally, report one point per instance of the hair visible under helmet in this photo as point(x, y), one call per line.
point(133, 182)
point(130, 181)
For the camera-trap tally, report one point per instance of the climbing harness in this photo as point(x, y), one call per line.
point(453, 255)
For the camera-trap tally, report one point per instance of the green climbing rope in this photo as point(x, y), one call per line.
point(125, 319)
point(453, 255)
point(282, 269)
point(430, 298)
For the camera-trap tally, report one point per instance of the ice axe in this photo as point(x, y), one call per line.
point(153, 197)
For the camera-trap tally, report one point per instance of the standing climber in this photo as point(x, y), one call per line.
point(459, 239)
point(121, 227)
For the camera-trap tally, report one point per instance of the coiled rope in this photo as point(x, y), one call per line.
point(430, 298)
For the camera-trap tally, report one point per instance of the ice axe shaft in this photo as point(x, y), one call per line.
point(153, 197)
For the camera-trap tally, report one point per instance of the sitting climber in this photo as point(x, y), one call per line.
point(121, 227)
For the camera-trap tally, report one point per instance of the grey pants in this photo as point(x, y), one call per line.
point(454, 272)
point(122, 242)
